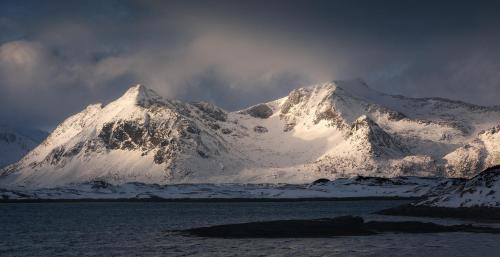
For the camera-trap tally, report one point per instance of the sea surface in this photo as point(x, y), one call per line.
point(143, 229)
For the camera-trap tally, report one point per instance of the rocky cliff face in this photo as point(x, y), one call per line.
point(482, 190)
point(481, 152)
point(330, 130)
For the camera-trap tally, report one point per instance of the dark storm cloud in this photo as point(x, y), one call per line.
point(58, 56)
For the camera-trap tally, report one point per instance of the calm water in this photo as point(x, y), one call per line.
point(141, 229)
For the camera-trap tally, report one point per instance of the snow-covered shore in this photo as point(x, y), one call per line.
point(355, 187)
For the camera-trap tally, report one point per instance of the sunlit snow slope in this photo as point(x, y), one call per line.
point(329, 130)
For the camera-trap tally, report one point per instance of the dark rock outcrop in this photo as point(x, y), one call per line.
point(260, 129)
point(470, 213)
point(317, 228)
point(211, 111)
point(261, 111)
point(320, 181)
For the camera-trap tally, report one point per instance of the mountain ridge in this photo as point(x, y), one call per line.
point(333, 129)
point(17, 142)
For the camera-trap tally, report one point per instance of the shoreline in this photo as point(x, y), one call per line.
point(340, 226)
point(154, 199)
point(484, 214)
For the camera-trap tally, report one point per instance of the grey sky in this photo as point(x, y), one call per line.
point(56, 57)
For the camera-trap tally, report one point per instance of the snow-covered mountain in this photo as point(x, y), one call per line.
point(329, 130)
point(15, 143)
point(482, 190)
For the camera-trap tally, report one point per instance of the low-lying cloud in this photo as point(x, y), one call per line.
point(235, 55)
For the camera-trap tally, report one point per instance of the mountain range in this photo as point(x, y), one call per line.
point(329, 130)
point(17, 142)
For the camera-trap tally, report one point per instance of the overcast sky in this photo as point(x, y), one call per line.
point(56, 57)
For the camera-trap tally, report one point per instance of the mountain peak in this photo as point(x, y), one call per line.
point(140, 95)
point(357, 88)
point(137, 88)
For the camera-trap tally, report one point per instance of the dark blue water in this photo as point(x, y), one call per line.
point(141, 229)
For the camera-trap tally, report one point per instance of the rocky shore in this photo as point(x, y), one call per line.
point(316, 228)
